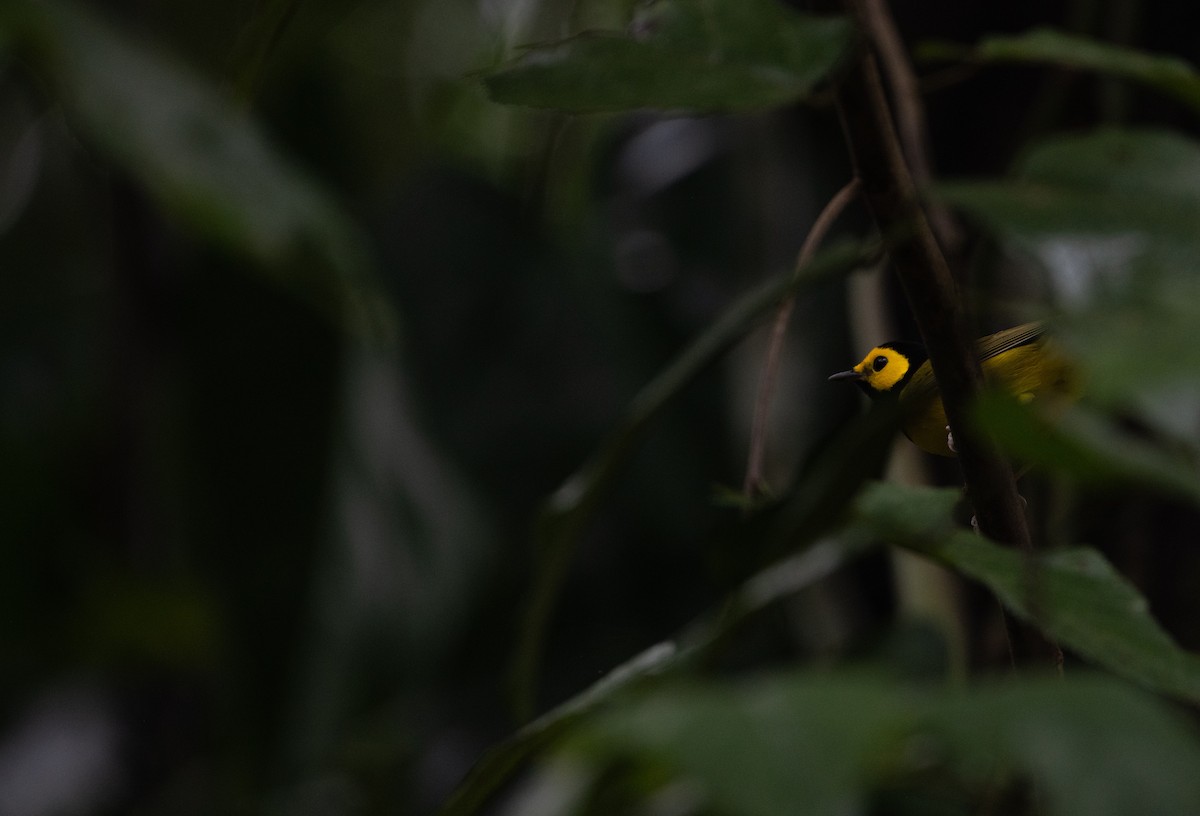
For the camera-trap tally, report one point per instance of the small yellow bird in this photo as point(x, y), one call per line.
point(1019, 360)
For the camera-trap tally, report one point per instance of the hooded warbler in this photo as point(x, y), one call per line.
point(1018, 360)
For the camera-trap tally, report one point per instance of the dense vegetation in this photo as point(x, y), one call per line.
point(378, 379)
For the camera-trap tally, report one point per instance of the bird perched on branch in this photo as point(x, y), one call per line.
point(1019, 360)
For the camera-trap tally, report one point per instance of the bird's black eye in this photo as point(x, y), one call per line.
point(879, 362)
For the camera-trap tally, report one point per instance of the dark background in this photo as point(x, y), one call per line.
point(251, 563)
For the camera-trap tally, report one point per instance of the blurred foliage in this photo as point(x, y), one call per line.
point(1170, 75)
point(720, 56)
point(354, 425)
point(842, 742)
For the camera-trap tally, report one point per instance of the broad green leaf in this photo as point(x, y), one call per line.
point(831, 744)
point(201, 159)
point(1171, 75)
point(908, 516)
point(1074, 595)
point(763, 748)
point(1108, 183)
point(777, 583)
point(1087, 447)
point(716, 55)
point(1094, 746)
point(1079, 599)
point(569, 509)
point(1121, 162)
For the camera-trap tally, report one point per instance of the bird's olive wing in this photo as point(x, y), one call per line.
point(922, 385)
point(1003, 341)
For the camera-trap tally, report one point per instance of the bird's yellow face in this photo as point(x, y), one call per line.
point(879, 371)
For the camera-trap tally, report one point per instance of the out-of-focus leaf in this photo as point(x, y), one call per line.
point(201, 159)
point(781, 581)
point(1087, 447)
point(1171, 75)
point(1117, 161)
point(824, 744)
point(720, 55)
point(907, 516)
point(1074, 595)
point(1077, 739)
point(571, 506)
point(780, 745)
point(1114, 217)
point(1109, 182)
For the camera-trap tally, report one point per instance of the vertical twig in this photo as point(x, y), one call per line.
point(909, 111)
point(762, 406)
point(931, 291)
point(933, 296)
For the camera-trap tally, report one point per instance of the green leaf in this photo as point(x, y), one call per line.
point(831, 744)
point(763, 748)
point(1095, 747)
point(777, 583)
point(719, 55)
point(1074, 595)
point(1171, 75)
point(1122, 162)
point(907, 515)
point(1114, 219)
point(198, 157)
point(1087, 447)
point(1077, 597)
point(1124, 182)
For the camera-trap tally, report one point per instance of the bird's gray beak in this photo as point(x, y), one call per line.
point(846, 375)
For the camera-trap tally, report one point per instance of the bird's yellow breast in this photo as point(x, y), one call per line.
point(1031, 371)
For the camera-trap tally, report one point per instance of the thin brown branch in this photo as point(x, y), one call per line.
point(931, 291)
point(933, 297)
point(908, 108)
point(762, 407)
point(898, 73)
point(910, 155)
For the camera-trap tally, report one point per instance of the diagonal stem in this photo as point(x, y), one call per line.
point(909, 110)
point(753, 483)
point(931, 291)
point(933, 296)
